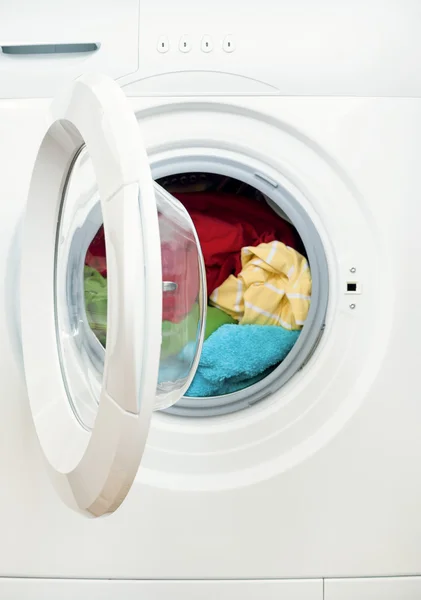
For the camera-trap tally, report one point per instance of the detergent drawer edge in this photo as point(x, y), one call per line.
point(42, 49)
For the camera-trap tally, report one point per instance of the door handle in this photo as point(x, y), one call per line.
point(33, 49)
point(169, 286)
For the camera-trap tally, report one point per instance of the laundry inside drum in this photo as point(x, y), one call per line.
point(258, 281)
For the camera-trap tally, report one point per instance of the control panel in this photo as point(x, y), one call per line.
point(206, 44)
point(224, 47)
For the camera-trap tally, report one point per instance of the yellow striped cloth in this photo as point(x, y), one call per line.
point(273, 287)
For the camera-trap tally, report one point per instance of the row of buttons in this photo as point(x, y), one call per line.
point(206, 44)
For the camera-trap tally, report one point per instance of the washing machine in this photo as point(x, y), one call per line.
point(303, 486)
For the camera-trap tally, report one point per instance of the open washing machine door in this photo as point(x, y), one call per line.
point(92, 402)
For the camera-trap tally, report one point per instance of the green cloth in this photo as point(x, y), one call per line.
point(215, 318)
point(175, 336)
point(95, 286)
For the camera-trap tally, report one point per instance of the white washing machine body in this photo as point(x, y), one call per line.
point(311, 492)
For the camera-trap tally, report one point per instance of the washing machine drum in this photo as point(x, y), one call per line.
point(226, 223)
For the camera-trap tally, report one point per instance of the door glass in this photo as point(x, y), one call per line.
point(184, 299)
point(80, 352)
point(81, 294)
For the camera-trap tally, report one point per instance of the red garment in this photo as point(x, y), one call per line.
point(95, 256)
point(180, 265)
point(225, 223)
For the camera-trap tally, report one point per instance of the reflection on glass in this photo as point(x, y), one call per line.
point(184, 298)
point(81, 294)
point(79, 351)
point(183, 295)
point(96, 302)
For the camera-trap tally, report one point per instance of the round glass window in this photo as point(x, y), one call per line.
point(81, 294)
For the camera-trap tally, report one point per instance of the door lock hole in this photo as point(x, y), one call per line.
point(353, 287)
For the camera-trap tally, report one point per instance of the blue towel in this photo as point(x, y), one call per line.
point(236, 356)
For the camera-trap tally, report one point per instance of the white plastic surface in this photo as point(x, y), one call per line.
point(391, 588)
point(163, 44)
point(206, 44)
point(228, 44)
point(113, 27)
point(184, 44)
point(161, 590)
point(94, 471)
point(287, 48)
point(337, 450)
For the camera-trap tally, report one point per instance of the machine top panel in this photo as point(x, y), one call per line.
point(288, 48)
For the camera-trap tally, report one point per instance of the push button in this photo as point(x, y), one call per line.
point(163, 44)
point(228, 45)
point(206, 45)
point(185, 44)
